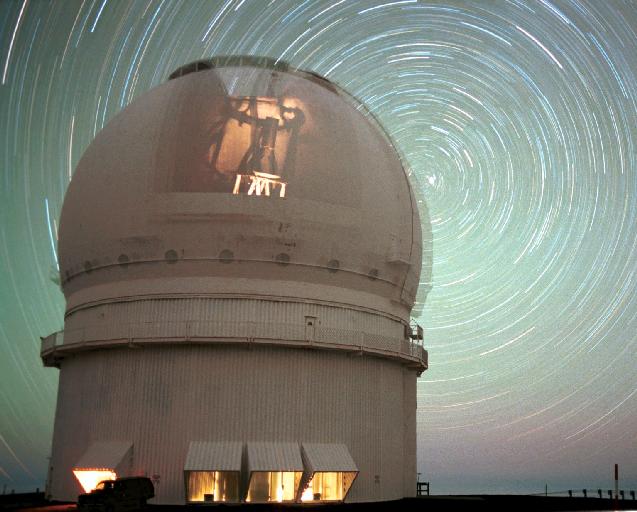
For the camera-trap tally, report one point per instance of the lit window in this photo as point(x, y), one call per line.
point(205, 486)
point(328, 486)
point(330, 472)
point(277, 486)
point(212, 470)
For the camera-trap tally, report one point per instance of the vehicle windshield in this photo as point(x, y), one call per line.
point(105, 484)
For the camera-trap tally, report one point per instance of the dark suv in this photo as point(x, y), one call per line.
point(119, 495)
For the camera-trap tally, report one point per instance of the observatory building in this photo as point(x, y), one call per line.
point(240, 251)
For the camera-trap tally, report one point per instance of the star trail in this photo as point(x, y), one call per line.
point(518, 121)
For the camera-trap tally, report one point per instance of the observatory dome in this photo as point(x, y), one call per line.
point(240, 250)
point(242, 177)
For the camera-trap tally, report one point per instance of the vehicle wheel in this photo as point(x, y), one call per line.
point(142, 505)
point(108, 508)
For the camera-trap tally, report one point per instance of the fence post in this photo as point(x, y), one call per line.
point(616, 481)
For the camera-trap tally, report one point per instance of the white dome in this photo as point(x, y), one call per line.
point(242, 179)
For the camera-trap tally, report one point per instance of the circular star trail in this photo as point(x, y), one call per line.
point(518, 121)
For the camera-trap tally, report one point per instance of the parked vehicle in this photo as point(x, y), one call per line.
point(121, 495)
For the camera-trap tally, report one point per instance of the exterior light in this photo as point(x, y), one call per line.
point(89, 478)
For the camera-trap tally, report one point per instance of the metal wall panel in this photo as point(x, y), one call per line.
point(410, 475)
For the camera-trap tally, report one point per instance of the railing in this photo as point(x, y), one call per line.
point(600, 493)
point(589, 493)
point(422, 488)
point(52, 340)
point(411, 345)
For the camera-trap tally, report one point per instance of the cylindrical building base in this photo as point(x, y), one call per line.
point(162, 398)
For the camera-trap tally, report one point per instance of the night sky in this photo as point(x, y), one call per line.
point(519, 122)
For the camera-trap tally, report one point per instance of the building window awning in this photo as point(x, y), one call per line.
point(212, 471)
point(104, 460)
point(329, 474)
point(275, 471)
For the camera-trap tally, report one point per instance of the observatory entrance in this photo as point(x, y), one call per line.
point(275, 471)
point(267, 472)
point(104, 460)
point(330, 471)
point(212, 472)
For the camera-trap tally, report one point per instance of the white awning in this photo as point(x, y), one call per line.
point(105, 455)
point(214, 456)
point(273, 456)
point(327, 457)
